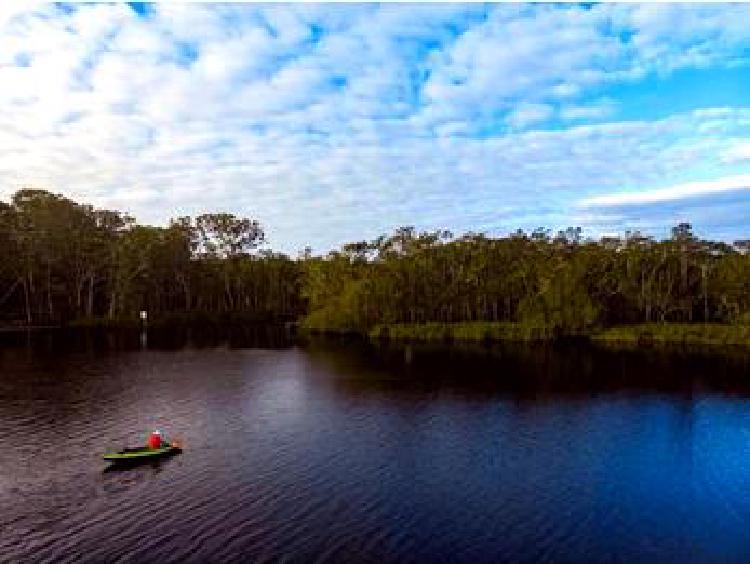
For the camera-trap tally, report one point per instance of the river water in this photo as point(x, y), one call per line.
point(345, 452)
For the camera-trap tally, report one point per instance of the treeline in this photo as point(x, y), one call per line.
point(561, 283)
point(63, 261)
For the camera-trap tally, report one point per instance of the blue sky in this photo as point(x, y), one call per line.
point(333, 123)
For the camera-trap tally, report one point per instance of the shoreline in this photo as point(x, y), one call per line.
point(25, 328)
point(647, 335)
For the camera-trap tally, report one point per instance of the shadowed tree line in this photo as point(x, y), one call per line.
point(63, 261)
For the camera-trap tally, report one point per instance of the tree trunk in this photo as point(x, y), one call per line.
point(79, 291)
point(10, 291)
point(112, 304)
point(27, 300)
point(90, 302)
point(186, 292)
point(705, 292)
point(50, 313)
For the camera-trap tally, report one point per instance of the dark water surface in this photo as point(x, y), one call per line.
point(322, 452)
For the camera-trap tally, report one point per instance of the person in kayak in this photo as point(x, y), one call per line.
point(155, 439)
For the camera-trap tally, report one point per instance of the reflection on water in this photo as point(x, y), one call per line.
point(126, 467)
point(347, 452)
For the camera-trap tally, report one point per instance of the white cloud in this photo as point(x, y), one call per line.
point(332, 123)
point(738, 153)
point(670, 36)
point(524, 115)
point(541, 53)
point(596, 111)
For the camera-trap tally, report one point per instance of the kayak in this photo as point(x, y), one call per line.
point(142, 453)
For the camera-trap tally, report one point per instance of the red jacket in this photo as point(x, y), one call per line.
point(154, 440)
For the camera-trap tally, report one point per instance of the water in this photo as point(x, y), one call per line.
point(322, 452)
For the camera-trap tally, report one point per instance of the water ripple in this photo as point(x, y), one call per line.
point(310, 456)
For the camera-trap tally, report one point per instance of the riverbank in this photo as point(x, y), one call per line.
point(654, 334)
point(431, 332)
point(169, 321)
point(195, 319)
point(642, 335)
point(24, 328)
point(477, 331)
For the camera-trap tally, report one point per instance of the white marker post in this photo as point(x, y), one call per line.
point(144, 327)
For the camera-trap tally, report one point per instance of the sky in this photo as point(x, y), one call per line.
point(340, 122)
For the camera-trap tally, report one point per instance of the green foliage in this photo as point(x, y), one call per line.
point(430, 285)
point(676, 334)
point(467, 331)
point(562, 301)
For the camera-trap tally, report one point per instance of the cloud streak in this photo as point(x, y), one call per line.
point(671, 193)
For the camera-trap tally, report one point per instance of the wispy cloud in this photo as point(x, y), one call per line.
point(597, 110)
point(738, 153)
point(524, 115)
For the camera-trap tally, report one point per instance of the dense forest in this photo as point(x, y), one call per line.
point(67, 262)
point(560, 281)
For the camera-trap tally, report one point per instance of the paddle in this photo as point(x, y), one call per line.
point(175, 443)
